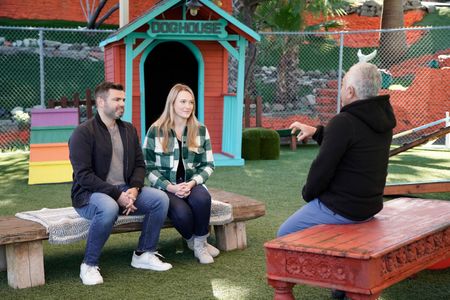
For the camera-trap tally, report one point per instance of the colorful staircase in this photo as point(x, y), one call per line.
point(49, 150)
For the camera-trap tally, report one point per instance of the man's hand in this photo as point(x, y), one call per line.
point(127, 202)
point(133, 193)
point(306, 131)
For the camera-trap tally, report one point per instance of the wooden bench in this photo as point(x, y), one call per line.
point(21, 250)
point(286, 133)
point(407, 236)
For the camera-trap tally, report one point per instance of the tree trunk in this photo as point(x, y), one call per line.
point(94, 17)
point(288, 71)
point(392, 44)
point(107, 15)
point(248, 12)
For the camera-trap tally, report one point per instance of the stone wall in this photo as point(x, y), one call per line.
point(81, 51)
point(374, 8)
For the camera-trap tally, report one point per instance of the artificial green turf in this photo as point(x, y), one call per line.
point(237, 274)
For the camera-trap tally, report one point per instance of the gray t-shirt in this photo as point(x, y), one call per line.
point(115, 174)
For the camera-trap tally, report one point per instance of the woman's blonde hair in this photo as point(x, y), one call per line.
point(166, 121)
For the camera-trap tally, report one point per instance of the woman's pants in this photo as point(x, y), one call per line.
point(190, 215)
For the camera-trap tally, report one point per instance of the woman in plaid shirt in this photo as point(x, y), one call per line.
point(179, 159)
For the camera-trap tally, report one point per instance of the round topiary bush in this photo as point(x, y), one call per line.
point(269, 144)
point(260, 143)
point(251, 144)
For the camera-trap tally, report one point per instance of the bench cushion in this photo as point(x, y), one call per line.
point(65, 226)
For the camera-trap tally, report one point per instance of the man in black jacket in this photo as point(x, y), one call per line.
point(346, 180)
point(108, 179)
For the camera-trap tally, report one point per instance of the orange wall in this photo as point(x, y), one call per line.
point(70, 10)
point(214, 72)
point(424, 101)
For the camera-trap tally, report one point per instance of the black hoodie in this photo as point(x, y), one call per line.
point(349, 173)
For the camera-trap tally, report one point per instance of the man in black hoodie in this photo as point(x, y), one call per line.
point(346, 180)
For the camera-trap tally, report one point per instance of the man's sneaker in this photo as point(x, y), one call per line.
point(149, 261)
point(90, 275)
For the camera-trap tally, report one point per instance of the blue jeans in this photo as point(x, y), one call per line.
point(103, 211)
point(311, 214)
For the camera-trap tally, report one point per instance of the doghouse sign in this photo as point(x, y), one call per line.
point(160, 28)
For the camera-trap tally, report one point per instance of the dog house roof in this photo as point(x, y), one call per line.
point(165, 5)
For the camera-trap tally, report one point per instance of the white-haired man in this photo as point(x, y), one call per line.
point(346, 180)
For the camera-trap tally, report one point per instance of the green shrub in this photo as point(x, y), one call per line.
point(270, 144)
point(251, 144)
point(260, 143)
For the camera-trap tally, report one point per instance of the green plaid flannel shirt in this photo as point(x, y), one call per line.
point(162, 166)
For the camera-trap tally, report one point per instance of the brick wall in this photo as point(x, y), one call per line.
point(70, 10)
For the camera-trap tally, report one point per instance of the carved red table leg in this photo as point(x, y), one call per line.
point(283, 290)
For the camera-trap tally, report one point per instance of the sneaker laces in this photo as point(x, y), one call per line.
point(93, 269)
point(156, 258)
point(156, 253)
point(97, 268)
point(203, 250)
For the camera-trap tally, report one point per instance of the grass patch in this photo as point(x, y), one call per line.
point(402, 81)
point(234, 275)
point(441, 17)
point(435, 40)
point(63, 77)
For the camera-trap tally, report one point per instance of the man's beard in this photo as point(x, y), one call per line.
point(116, 114)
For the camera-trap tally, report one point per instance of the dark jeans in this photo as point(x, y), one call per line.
point(190, 215)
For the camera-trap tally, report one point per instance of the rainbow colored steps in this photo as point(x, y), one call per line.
point(50, 134)
point(49, 150)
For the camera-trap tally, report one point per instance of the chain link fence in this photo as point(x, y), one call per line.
point(298, 75)
point(40, 64)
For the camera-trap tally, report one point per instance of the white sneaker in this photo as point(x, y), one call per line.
point(200, 250)
point(149, 261)
point(213, 251)
point(90, 275)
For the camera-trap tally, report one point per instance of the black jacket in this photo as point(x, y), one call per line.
point(349, 173)
point(90, 149)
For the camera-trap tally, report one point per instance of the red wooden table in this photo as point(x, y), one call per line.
point(407, 236)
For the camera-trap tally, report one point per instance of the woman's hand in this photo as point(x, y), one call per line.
point(183, 189)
